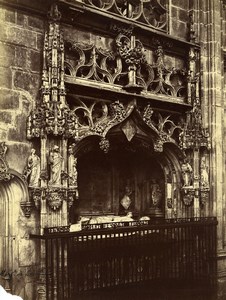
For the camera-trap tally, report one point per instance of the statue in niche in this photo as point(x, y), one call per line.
point(204, 176)
point(125, 202)
point(56, 162)
point(187, 173)
point(72, 167)
point(33, 169)
point(156, 193)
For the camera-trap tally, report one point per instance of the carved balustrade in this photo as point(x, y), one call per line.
point(127, 66)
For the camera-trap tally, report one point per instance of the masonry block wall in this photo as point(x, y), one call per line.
point(20, 67)
point(21, 44)
point(179, 19)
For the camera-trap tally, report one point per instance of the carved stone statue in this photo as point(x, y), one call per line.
point(156, 193)
point(126, 201)
point(33, 166)
point(187, 173)
point(56, 162)
point(204, 177)
point(72, 168)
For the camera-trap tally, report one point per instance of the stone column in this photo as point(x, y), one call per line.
point(210, 18)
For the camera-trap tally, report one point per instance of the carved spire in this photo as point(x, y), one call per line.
point(194, 136)
point(50, 114)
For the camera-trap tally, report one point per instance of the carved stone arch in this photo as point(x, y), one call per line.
point(68, 69)
point(175, 156)
point(14, 228)
point(167, 162)
point(134, 116)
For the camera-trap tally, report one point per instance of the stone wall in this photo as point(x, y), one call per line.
point(21, 44)
point(179, 19)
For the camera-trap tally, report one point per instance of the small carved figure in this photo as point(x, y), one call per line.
point(204, 177)
point(156, 193)
point(187, 173)
point(72, 167)
point(33, 166)
point(126, 201)
point(56, 161)
point(3, 149)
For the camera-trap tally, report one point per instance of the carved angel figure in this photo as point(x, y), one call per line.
point(56, 162)
point(33, 166)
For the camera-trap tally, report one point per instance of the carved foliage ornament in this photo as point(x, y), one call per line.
point(55, 198)
point(98, 117)
point(164, 127)
point(84, 120)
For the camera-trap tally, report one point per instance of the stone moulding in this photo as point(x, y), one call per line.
point(8, 175)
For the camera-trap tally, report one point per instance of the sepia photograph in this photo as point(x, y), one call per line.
point(112, 149)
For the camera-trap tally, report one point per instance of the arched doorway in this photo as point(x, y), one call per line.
point(17, 252)
point(131, 177)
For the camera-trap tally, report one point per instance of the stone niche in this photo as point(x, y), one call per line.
point(105, 180)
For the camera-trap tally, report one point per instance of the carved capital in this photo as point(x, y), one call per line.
point(55, 198)
point(35, 196)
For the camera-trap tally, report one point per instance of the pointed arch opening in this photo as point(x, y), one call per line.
point(130, 178)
